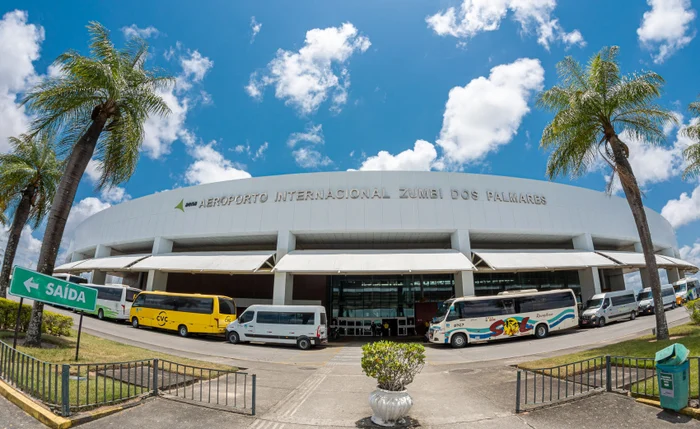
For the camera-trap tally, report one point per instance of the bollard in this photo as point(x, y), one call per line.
point(517, 394)
point(252, 402)
point(155, 377)
point(608, 374)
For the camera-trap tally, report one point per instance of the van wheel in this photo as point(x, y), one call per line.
point(182, 330)
point(541, 331)
point(673, 306)
point(458, 341)
point(101, 314)
point(633, 315)
point(135, 322)
point(233, 337)
point(601, 322)
point(304, 343)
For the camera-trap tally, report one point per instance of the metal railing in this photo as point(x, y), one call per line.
point(69, 388)
point(635, 376)
point(214, 387)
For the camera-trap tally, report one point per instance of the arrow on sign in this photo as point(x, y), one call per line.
point(29, 284)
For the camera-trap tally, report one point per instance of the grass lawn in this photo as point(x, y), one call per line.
point(646, 346)
point(88, 383)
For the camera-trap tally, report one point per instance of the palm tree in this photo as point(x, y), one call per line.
point(591, 106)
point(692, 152)
point(98, 104)
point(28, 179)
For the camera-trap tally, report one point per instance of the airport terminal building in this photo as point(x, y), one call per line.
point(369, 245)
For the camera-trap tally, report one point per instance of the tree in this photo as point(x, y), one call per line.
point(591, 106)
point(28, 179)
point(98, 105)
point(692, 152)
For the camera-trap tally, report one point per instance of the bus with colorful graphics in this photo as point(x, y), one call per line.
point(113, 301)
point(460, 321)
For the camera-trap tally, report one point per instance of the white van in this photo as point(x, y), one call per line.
point(610, 306)
point(303, 325)
point(686, 290)
point(113, 301)
point(646, 299)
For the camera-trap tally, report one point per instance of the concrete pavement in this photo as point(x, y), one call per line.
point(12, 417)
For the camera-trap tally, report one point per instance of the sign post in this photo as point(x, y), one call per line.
point(50, 290)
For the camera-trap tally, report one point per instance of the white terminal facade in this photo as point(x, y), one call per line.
point(369, 245)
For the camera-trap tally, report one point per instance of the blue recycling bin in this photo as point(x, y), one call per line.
point(673, 373)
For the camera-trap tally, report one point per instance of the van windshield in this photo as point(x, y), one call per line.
point(680, 288)
point(442, 310)
point(644, 295)
point(594, 303)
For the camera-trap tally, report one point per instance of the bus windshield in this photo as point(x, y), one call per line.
point(680, 288)
point(594, 303)
point(442, 310)
point(644, 295)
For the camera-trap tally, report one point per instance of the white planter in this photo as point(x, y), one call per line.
point(388, 407)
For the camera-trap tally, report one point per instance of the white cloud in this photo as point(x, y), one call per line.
point(255, 28)
point(305, 79)
point(307, 157)
point(242, 148)
point(476, 16)
point(691, 253)
point(195, 66)
point(94, 170)
point(27, 250)
point(211, 166)
point(486, 113)
point(684, 210)
point(20, 44)
point(114, 195)
point(666, 27)
point(420, 158)
point(134, 31)
point(260, 153)
point(312, 134)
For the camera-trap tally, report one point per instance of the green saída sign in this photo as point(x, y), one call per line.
point(40, 287)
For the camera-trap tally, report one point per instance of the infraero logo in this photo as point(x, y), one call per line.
point(182, 205)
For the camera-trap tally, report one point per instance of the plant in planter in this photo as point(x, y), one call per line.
point(393, 365)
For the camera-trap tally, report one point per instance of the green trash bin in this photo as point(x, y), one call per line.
point(673, 372)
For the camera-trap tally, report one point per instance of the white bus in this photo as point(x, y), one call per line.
point(466, 320)
point(113, 301)
point(686, 290)
point(303, 325)
point(70, 278)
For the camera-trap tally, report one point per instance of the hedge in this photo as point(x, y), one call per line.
point(53, 323)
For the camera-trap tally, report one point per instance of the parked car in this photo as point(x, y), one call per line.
point(303, 325)
point(608, 307)
point(646, 299)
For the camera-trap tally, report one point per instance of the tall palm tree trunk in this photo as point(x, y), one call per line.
point(634, 199)
point(60, 209)
point(20, 219)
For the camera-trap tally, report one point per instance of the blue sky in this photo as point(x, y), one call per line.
point(324, 86)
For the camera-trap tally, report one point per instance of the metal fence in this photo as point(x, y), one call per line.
point(69, 388)
point(622, 374)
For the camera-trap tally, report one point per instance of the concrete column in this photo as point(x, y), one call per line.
point(158, 280)
point(643, 272)
point(672, 273)
point(464, 280)
point(589, 277)
point(75, 257)
point(99, 277)
point(283, 282)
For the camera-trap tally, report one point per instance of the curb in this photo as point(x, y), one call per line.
point(33, 409)
point(52, 420)
point(691, 412)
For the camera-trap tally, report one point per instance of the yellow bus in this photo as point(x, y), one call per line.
point(184, 313)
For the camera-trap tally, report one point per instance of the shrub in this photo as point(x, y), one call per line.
point(393, 365)
point(693, 309)
point(53, 323)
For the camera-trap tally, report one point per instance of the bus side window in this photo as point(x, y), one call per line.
point(455, 312)
point(138, 302)
point(508, 306)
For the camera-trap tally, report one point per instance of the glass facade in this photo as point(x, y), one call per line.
point(386, 296)
point(493, 283)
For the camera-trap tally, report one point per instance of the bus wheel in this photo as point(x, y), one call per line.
point(101, 314)
point(233, 337)
point(182, 330)
point(304, 343)
point(633, 315)
point(458, 341)
point(541, 331)
point(135, 322)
